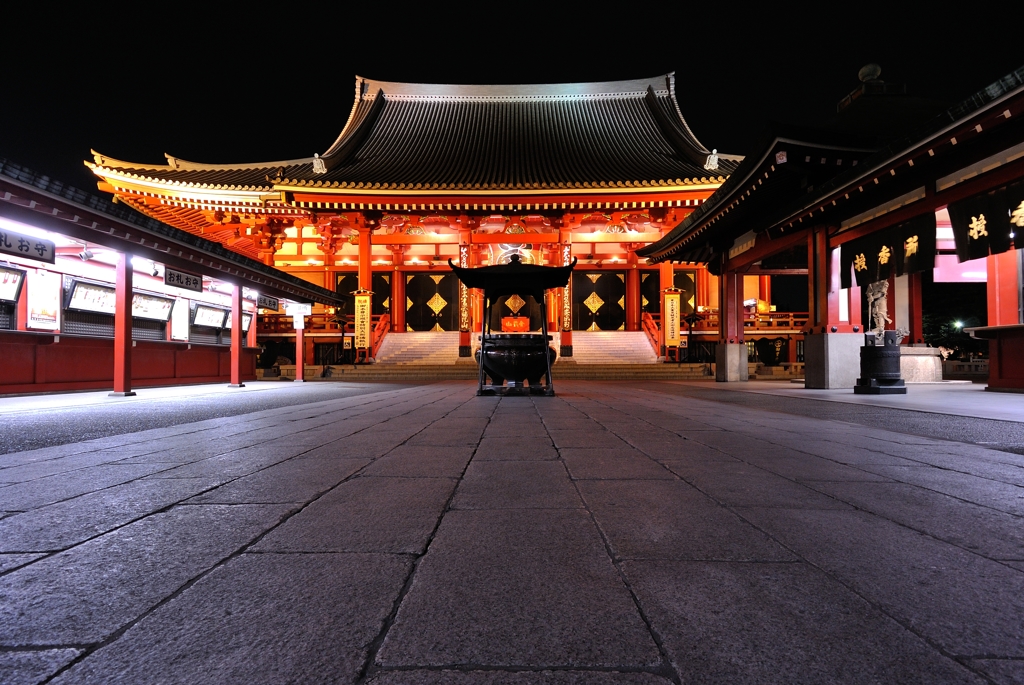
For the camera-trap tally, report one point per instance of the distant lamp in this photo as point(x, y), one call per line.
point(85, 255)
point(958, 325)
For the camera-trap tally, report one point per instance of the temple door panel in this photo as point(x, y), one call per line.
point(599, 300)
point(514, 305)
point(432, 302)
point(381, 292)
point(687, 282)
point(650, 292)
point(347, 284)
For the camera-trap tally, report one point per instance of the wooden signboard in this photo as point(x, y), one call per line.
point(363, 316)
point(670, 320)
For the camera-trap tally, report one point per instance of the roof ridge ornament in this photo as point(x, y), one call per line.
point(318, 165)
point(712, 162)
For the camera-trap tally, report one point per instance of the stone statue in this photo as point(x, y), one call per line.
point(878, 307)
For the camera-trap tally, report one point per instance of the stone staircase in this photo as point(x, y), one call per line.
point(604, 355)
point(612, 347)
point(421, 349)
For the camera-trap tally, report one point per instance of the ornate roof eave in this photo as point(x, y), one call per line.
point(179, 190)
point(702, 184)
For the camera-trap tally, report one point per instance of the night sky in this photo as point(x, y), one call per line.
point(259, 84)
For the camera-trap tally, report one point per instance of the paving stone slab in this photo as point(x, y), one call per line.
point(228, 466)
point(778, 623)
point(744, 485)
point(84, 594)
point(12, 561)
point(794, 466)
point(536, 589)
point(446, 436)
point(43, 491)
point(610, 463)
point(984, 491)
point(422, 461)
point(991, 533)
point(60, 465)
point(672, 520)
point(33, 667)
point(260, 618)
point(515, 485)
point(589, 438)
point(503, 677)
point(295, 480)
point(58, 526)
point(849, 454)
point(515, 449)
point(963, 602)
point(366, 514)
point(1002, 671)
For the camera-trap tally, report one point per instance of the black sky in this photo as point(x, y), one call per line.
point(259, 83)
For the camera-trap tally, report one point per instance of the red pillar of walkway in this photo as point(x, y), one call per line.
point(365, 258)
point(730, 308)
point(300, 355)
point(632, 293)
point(236, 338)
point(123, 328)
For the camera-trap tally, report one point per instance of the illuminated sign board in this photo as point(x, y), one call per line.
point(246, 320)
point(151, 307)
point(179, 320)
point(10, 284)
point(183, 279)
point(90, 297)
point(265, 302)
point(26, 246)
point(363, 315)
point(671, 319)
point(44, 289)
point(209, 316)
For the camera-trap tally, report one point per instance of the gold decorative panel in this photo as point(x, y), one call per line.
point(514, 303)
point(593, 277)
point(593, 303)
point(437, 328)
point(436, 304)
point(408, 303)
point(408, 329)
point(437, 279)
point(387, 278)
point(644, 300)
point(622, 327)
point(621, 277)
point(622, 302)
point(644, 277)
point(386, 303)
point(593, 327)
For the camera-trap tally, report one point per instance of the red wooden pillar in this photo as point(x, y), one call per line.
point(465, 298)
point(398, 301)
point(236, 338)
point(730, 308)
point(365, 258)
point(632, 293)
point(666, 272)
point(764, 288)
point(250, 338)
point(300, 355)
point(123, 328)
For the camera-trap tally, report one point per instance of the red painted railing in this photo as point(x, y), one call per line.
point(315, 323)
point(650, 327)
point(379, 331)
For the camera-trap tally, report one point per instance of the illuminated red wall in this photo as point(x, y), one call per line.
point(34, 363)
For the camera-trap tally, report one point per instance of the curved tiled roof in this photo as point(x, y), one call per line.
point(402, 136)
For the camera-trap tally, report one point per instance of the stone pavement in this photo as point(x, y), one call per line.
point(612, 534)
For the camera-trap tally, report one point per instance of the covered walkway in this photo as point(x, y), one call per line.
point(674, 533)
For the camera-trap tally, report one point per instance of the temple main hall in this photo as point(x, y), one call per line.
point(422, 173)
